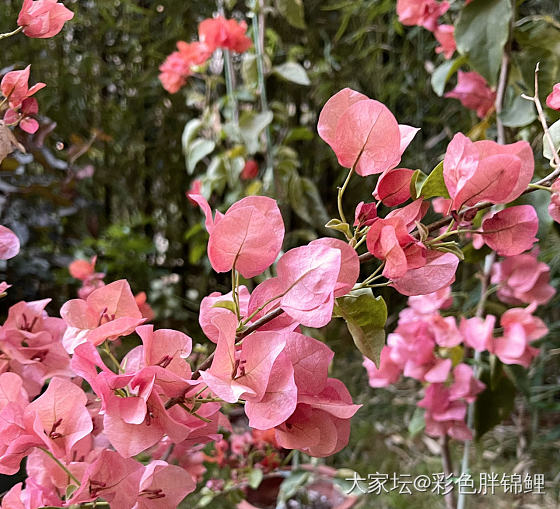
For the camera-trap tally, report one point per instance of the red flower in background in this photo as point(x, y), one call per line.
point(224, 33)
point(43, 18)
point(250, 170)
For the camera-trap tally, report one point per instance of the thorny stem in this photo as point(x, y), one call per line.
point(57, 461)
point(9, 34)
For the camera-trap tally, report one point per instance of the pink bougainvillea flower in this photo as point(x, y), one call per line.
point(109, 312)
point(511, 231)
point(554, 206)
point(248, 237)
point(465, 385)
point(82, 269)
point(473, 92)
point(523, 279)
point(308, 277)
point(387, 373)
point(59, 417)
point(388, 239)
point(520, 328)
point(365, 214)
point(393, 186)
point(9, 243)
point(15, 87)
point(224, 33)
point(486, 171)
point(428, 304)
point(421, 12)
point(349, 264)
point(443, 415)
point(43, 18)
point(23, 117)
point(145, 308)
point(163, 486)
point(320, 425)
point(112, 478)
point(446, 332)
point(213, 305)
point(363, 133)
point(250, 170)
point(445, 36)
point(553, 99)
point(438, 273)
point(477, 332)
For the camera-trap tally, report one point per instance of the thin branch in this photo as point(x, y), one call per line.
point(448, 469)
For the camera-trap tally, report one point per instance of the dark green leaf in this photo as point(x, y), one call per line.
point(293, 11)
point(443, 73)
point(481, 32)
point(365, 317)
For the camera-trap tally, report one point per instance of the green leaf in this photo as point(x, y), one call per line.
point(251, 125)
point(292, 71)
point(305, 199)
point(518, 112)
point(337, 224)
point(198, 150)
point(416, 182)
point(226, 304)
point(481, 32)
point(417, 423)
point(189, 132)
point(554, 131)
point(365, 317)
point(255, 478)
point(442, 74)
point(293, 11)
point(434, 185)
point(495, 403)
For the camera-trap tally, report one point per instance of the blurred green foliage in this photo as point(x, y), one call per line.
point(105, 108)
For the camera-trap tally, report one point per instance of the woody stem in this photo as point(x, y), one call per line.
point(13, 32)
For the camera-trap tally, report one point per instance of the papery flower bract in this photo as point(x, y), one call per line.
point(387, 373)
point(82, 269)
point(320, 425)
point(163, 486)
point(362, 132)
point(473, 92)
point(444, 416)
point(43, 18)
point(393, 186)
point(421, 12)
point(553, 99)
point(248, 237)
point(111, 477)
point(477, 332)
point(15, 87)
point(486, 171)
point(349, 264)
point(445, 36)
point(365, 214)
point(511, 231)
point(432, 302)
point(554, 206)
point(438, 273)
point(522, 278)
point(9, 243)
point(465, 385)
point(224, 33)
point(209, 309)
point(109, 312)
point(178, 65)
point(59, 417)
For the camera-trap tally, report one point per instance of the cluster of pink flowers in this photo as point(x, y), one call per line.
point(213, 33)
point(21, 106)
point(422, 346)
point(84, 271)
point(472, 89)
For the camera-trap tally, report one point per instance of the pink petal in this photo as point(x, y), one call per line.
point(9, 243)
